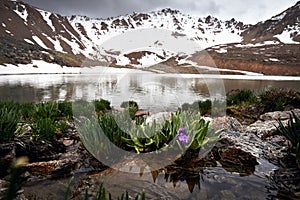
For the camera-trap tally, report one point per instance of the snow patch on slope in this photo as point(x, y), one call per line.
point(258, 44)
point(28, 41)
point(23, 14)
point(285, 37)
point(148, 60)
point(46, 17)
point(274, 59)
point(279, 17)
point(122, 60)
point(39, 42)
point(215, 69)
point(42, 67)
point(222, 50)
point(56, 44)
point(37, 67)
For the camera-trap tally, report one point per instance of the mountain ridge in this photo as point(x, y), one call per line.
point(84, 29)
point(81, 36)
point(287, 21)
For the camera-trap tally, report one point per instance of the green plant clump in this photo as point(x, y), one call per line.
point(44, 129)
point(65, 109)
point(27, 111)
point(126, 104)
point(47, 119)
point(46, 110)
point(292, 133)
point(204, 107)
point(9, 119)
point(131, 107)
point(147, 137)
point(242, 97)
point(101, 106)
point(113, 130)
point(279, 99)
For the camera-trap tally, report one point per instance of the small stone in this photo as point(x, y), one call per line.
point(141, 113)
point(67, 142)
point(159, 117)
point(118, 109)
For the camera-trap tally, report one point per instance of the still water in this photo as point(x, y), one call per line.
point(153, 92)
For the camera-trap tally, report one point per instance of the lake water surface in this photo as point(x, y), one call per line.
point(153, 92)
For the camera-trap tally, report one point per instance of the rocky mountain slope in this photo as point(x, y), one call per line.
point(264, 58)
point(76, 38)
point(271, 47)
point(284, 27)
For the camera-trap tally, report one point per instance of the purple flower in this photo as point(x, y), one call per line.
point(181, 130)
point(182, 178)
point(183, 138)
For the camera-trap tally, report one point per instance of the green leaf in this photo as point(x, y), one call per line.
point(150, 142)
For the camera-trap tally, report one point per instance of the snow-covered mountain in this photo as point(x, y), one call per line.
point(284, 28)
point(82, 35)
point(205, 31)
point(69, 38)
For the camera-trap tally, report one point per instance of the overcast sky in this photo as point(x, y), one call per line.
point(248, 11)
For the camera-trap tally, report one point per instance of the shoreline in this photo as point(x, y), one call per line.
point(185, 76)
point(53, 69)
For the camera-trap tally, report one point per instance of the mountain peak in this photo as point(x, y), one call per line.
point(170, 10)
point(290, 12)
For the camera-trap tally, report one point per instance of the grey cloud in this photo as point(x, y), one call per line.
point(250, 12)
point(108, 8)
point(93, 8)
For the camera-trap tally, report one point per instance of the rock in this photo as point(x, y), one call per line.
point(266, 126)
point(118, 109)
point(264, 129)
point(54, 167)
point(227, 123)
point(38, 151)
point(141, 113)
point(236, 156)
point(233, 158)
point(159, 117)
point(68, 142)
point(283, 115)
point(207, 119)
point(251, 143)
point(233, 92)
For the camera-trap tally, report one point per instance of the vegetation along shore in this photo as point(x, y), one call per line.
point(40, 141)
